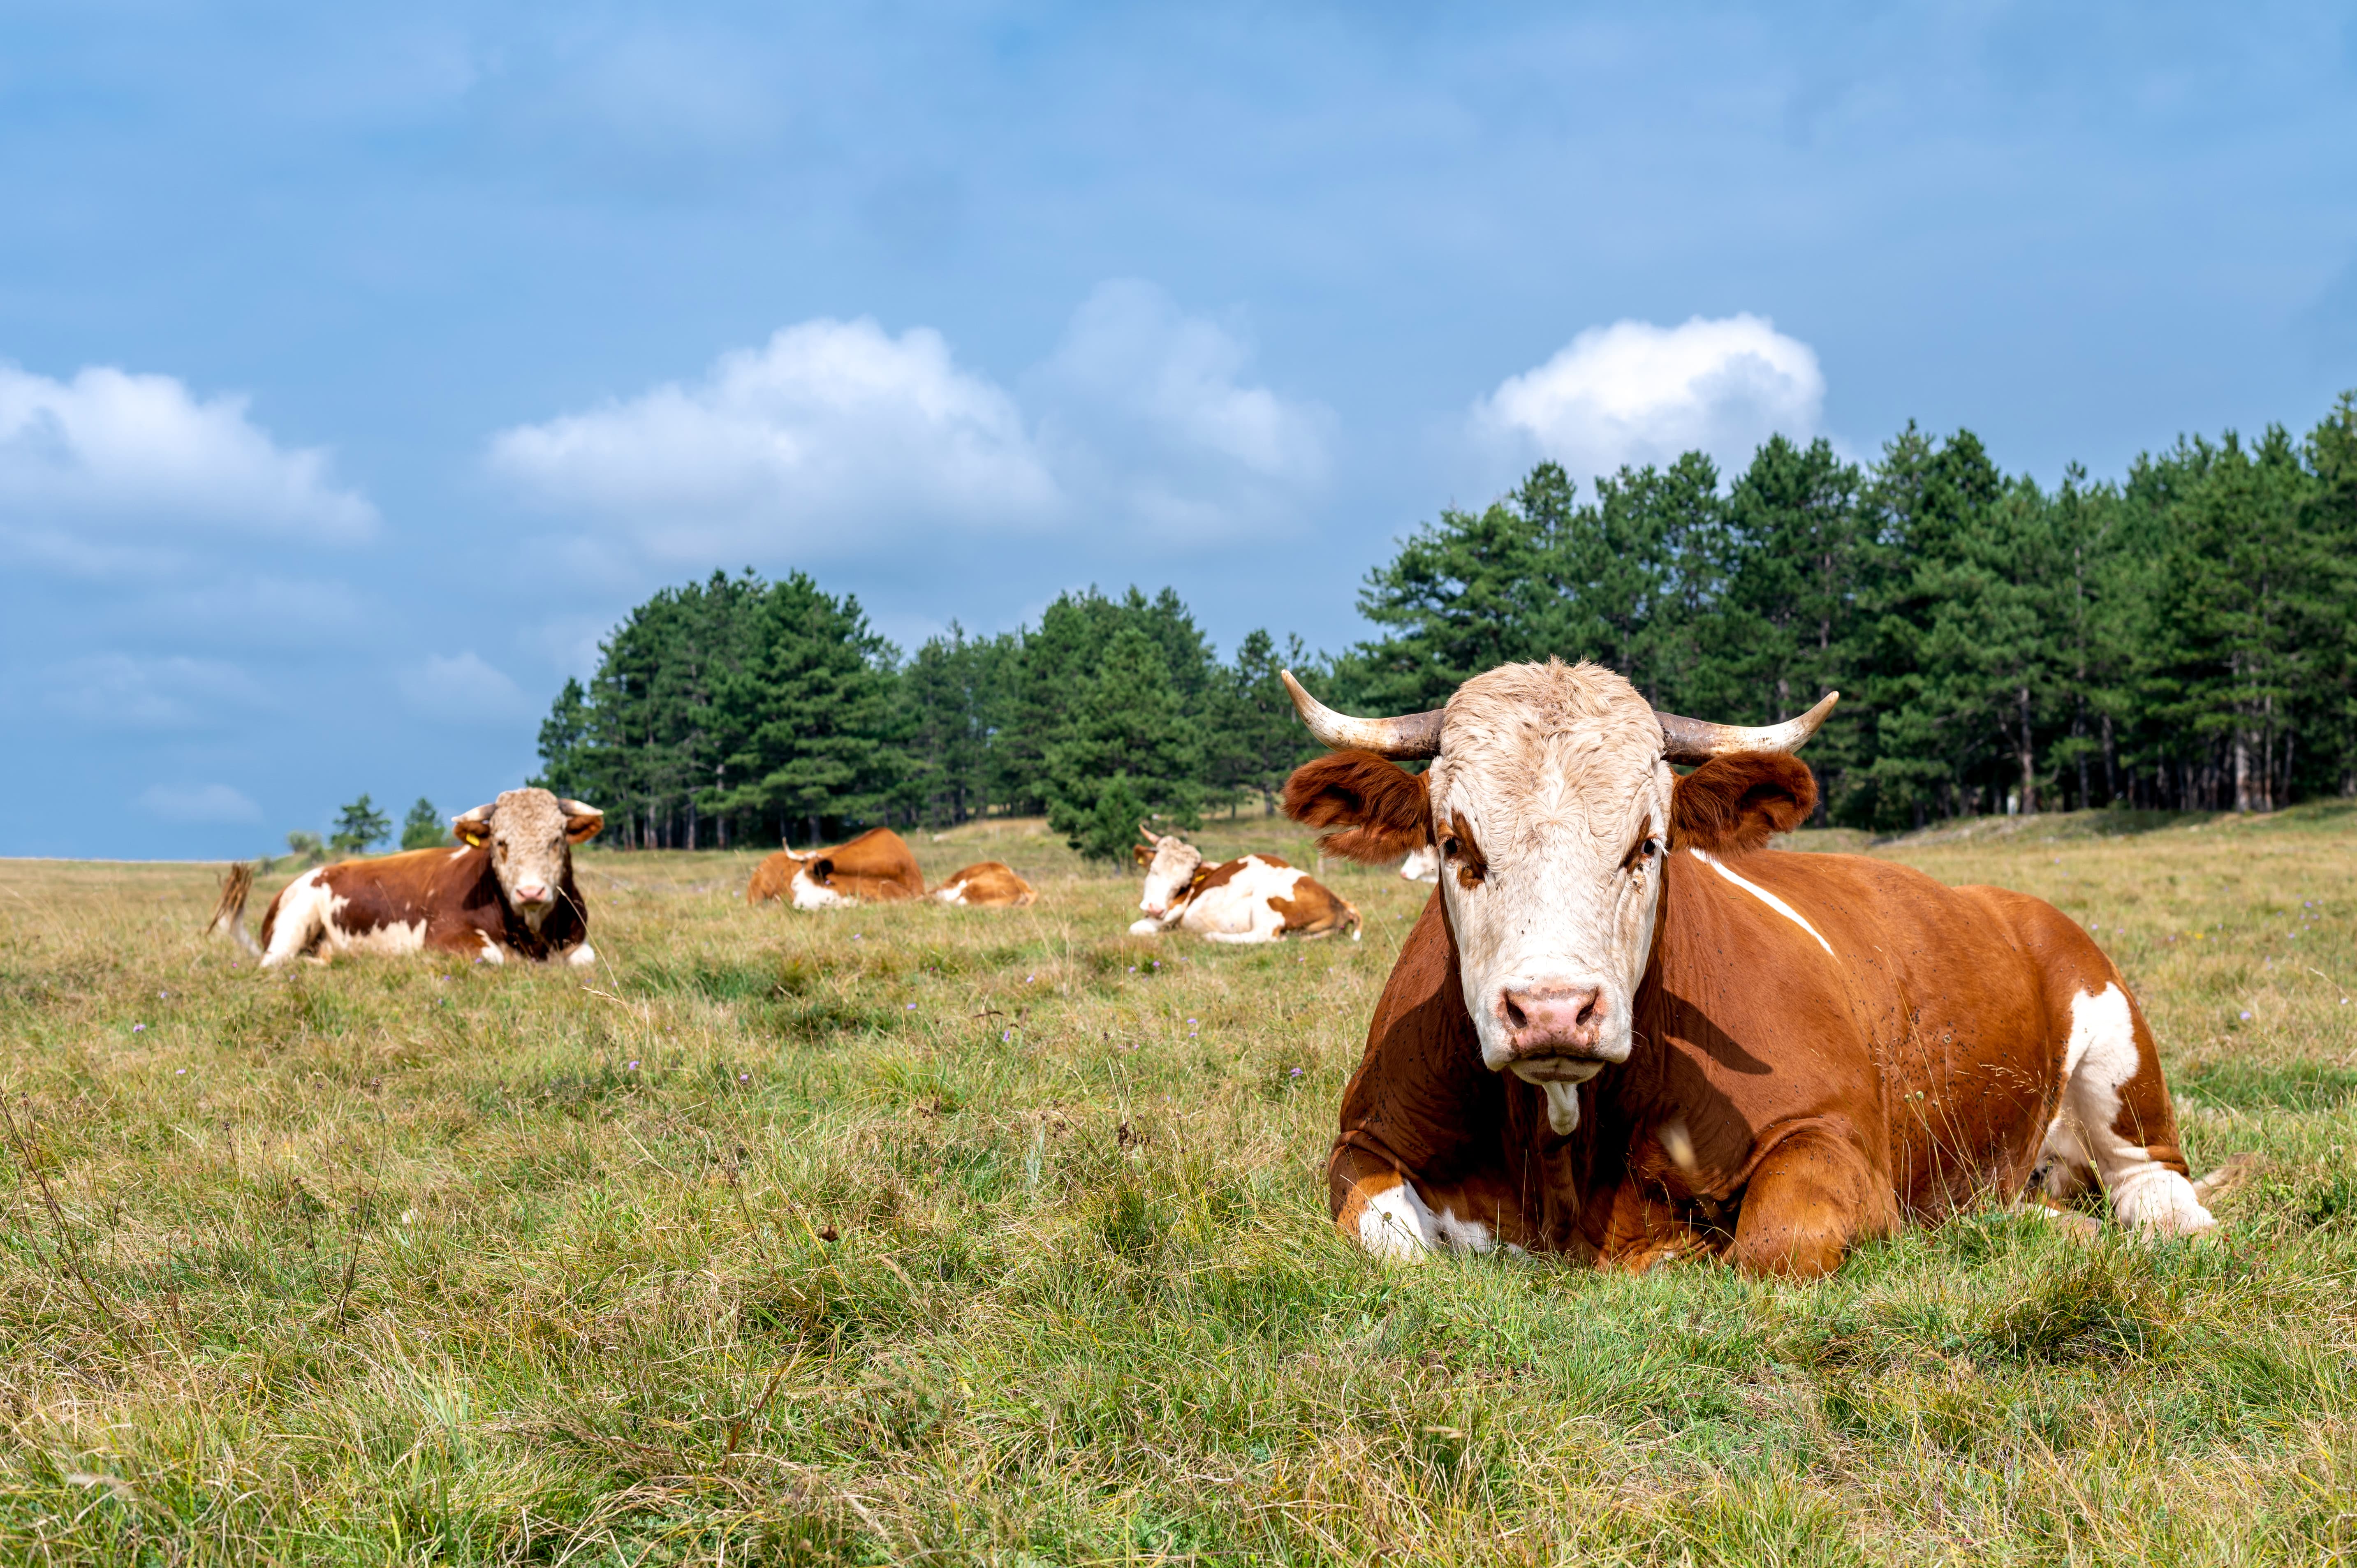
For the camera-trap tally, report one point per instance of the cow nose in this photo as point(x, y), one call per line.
point(532, 893)
point(1552, 1020)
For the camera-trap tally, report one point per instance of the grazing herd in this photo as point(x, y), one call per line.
point(1623, 1030)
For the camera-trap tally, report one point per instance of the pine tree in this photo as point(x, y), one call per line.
point(358, 826)
point(423, 828)
point(1128, 739)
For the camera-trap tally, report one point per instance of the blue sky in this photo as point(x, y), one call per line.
point(360, 365)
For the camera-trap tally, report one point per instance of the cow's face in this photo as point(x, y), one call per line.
point(1549, 800)
point(530, 834)
point(813, 874)
point(1550, 804)
point(1170, 864)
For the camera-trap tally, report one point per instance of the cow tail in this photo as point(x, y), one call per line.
point(228, 911)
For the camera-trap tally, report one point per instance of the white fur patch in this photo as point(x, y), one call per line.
point(1765, 898)
point(2096, 1066)
point(1395, 1226)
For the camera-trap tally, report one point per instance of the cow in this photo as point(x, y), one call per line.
point(874, 868)
point(1625, 1030)
point(505, 892)
point(1258, 898)
point(1422, 865)
point(986, 885)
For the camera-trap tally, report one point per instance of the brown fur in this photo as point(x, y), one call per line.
point(1378, 808)
point(1732, 805)
point(876, 867)
point(989, 885)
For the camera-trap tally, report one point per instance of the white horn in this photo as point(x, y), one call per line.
point(1404, 738)
point(1698, 740)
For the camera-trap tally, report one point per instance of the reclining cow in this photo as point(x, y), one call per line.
point(985, 885)
point(506, 892)
point(1256, 900)
point(1622, 1030)
point(876, 867)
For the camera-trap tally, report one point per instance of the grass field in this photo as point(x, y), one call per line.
point(913, 1235)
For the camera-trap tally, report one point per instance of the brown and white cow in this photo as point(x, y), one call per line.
point(506, 892)
point(876, 867)
point(986, 885)
point(1258, 898)
point(1624, 1029)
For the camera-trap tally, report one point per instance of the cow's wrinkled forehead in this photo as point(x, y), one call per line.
point(527, 816)
point(1542, 748)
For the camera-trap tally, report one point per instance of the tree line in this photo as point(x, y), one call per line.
point(2178, 639)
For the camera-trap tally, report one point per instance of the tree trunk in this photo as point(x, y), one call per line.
point(2242, 768)
point(2028, 757)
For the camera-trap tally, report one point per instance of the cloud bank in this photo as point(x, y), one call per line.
point(1635, 393)
point(96, 471)
point(836, 437)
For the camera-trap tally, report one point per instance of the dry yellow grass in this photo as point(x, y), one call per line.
point(916, 1234)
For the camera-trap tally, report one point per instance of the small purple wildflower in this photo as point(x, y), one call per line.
point(2246, 1015)
point(744, 1078)
point(912, 1006)
point(1009, 1036)
point(1029, 978)
point(631, 1067)
point(1295, 1073)
point(136, 1027)
point(183, 1072)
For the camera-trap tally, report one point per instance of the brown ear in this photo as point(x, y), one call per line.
point(1142, 852)
point(474, 828)
point(1382, 808)
point(1732, 804)
point(582, 822)
point(822, 870)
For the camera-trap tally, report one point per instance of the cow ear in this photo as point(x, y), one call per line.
point(1142, 852)
point(582, 822)
point(1381, 810)
point(822, 870)
point(474, 828)
point(1734, 804)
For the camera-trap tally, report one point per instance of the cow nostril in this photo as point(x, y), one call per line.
point(1591, 1007)
point(1515, 1017)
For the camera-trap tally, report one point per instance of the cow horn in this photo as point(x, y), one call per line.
point(1698, 740)
point(480, 815)
point(1408, 736)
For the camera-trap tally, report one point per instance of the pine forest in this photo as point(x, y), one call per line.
point(2180, 638)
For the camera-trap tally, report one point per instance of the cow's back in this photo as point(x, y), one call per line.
point(878, 867)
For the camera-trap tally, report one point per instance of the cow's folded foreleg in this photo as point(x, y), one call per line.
point(1811, 1195)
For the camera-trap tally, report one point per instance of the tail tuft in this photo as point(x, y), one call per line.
point(2226, 1178)
point(228, 911)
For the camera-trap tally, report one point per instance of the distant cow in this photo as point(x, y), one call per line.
point(506, 892)
point(1624, 1029)
point(874, 868)
point(986, 885)
point(1259, 898)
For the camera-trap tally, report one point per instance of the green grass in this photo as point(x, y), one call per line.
point(922, 1235)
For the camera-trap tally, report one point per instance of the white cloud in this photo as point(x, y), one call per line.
point(128, 691)
point(1633, 392)
point(1130, 350)
point(95, 469)
point(833, 437)
point(197, 803)
point(461, 689)
point(838, 438)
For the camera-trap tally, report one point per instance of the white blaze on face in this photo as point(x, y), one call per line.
point(1550, 803)
point(1167, 875)
point(807, 892)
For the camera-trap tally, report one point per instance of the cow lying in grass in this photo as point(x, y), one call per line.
point(506, 892)
point(1625, 1030)
point(1258, 898)
point(985, 885)
point(877, 868)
